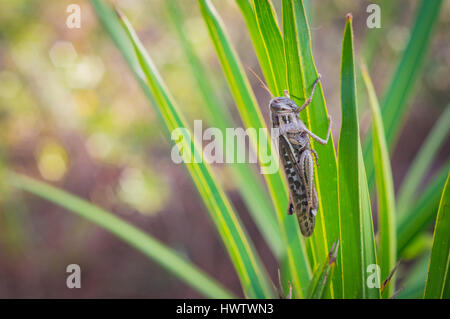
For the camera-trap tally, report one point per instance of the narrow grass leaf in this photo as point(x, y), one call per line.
point(422, 214)
point(248, 13)
point(250, 113)
point(367, 229)
point(327, 219)
point(357, 241)
point(438, 279)
point(395, 103)
point(422, 161)
point(387, 247)
point(273, 43)
point(324, 231)
point(253, 278)
point(149, 246)
point(254, 195)
point(295, 86)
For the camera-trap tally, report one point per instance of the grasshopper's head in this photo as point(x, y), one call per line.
point(282, 104)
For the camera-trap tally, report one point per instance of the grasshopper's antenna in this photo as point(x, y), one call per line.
point(261, 81)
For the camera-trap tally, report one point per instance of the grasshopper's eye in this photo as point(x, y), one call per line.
point(280, 104)
point(293, 105)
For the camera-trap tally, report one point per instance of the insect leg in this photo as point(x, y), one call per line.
point(316, 157)
point(308, 101)
point(318, 139)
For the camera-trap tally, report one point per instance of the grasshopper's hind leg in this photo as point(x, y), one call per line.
point(316, 157)
point(309, 205)
point(307, 175)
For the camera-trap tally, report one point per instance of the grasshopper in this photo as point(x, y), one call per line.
point(296, 155)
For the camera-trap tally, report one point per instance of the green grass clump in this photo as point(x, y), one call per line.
point(334, 262)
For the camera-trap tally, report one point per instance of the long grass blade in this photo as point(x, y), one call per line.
point(395, 102)
point(277, 54)
point(368, 248)
point(422, 161)
point(416, 220)
point(295, 86)
point(387, 246)
point(438, 280)
point(249, 185)
point(273, 43)
point(327, 220)
point(357, 240)
point(248, 13)
point(298, 264)
point(253, 278)
point(149, 246)
point(297, 44)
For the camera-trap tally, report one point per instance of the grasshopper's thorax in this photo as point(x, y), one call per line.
point(299, 141)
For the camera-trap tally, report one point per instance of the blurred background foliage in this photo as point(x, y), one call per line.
point(72, 114)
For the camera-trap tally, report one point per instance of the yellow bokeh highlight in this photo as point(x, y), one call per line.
point(86, 102)
point(52, 161)
point(143, 190)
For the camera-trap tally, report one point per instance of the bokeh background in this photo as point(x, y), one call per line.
point(72, 114)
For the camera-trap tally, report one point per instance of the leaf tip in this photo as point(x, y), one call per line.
point(349, 17)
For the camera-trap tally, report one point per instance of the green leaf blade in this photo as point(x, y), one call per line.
point(316, 118)
point(260, 49)
point(348, 177)
point(438, 280)
point(387, 247)
point(273, 43)
point(357, 240)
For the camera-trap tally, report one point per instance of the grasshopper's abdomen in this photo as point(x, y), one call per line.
point(302, 193)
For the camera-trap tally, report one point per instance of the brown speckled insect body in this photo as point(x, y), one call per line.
point(296, 155)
